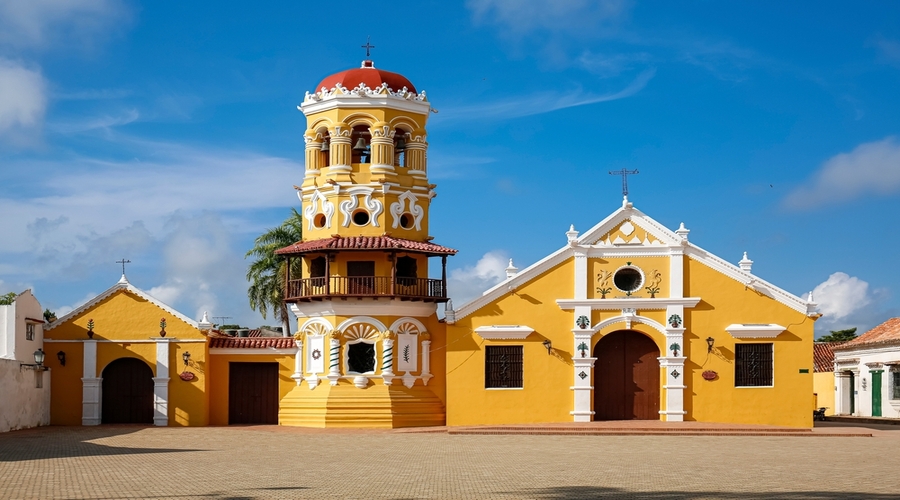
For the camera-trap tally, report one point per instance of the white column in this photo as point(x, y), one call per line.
point(161, 383)
point(583, 365)
point(387, 360)
point(298, 362)
point(334, 366)
point(90, 386)
point(581, 275)
point(426, 359)
point(676, 272)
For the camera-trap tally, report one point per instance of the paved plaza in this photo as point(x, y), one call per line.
point(279, 462)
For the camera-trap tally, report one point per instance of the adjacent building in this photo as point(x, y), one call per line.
point(867, 373)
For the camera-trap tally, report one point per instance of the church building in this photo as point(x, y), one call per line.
point(627, 320)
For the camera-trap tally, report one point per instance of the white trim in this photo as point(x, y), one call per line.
point(638, 303)
point(122, 284)
point(754, 331)
point(504, 332)
point(361, 319)
point(161, 384)
point(367, 102)
point(414, 321)
point(265, 351)
point(364, 307)
point(90, 386)
point(125, 341)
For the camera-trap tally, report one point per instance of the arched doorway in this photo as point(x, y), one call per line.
point(626, 377)
point(127, 392)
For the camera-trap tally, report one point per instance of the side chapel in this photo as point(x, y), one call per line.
point(628, 320)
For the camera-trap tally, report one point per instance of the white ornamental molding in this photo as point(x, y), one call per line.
point(375, 207)
point(408, 330)
point(398, 208)
point(362, 90)
point(754, 330)
point(312, 208)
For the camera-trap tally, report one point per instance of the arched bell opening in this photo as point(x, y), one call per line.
point(325, 147)
point(361, 139)
point(400, 138)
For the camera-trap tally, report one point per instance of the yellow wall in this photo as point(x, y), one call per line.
point(823, 387)
point(124, 324)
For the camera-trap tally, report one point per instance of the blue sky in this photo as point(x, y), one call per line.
point(167, 133)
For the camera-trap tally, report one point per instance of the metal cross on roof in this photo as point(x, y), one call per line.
point(123, 262)
point(624, 173)
point(367, 46)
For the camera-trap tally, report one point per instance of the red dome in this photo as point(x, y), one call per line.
point(368, 75)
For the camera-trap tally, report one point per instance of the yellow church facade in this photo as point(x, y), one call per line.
point(628, 320)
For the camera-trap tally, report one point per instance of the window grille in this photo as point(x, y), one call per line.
point(29, 331)
point(753, 365)
point(895, 379)
point(503, 366)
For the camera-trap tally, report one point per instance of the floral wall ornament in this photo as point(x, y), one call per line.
point(90, 327)
point(603, 287)
point(583, 322)
point(654, 278)
point(675, 320)
point(675, 348)
point(162, 327)
point(316, 354)
point(583, 348)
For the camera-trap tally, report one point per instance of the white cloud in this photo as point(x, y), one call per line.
point(890, 49)
point(519, 17)
point(609, 65)
point(23, 101)
point(540, 103)
point(841, 295)
point(469, 282)
point(38, 23)
point(871, 168)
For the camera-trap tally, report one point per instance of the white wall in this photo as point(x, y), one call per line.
point(22, 405)
point(870, 356)
point(13, 320)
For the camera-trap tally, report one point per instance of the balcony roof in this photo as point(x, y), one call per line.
point(365, 243)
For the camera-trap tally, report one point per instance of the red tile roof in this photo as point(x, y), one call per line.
point(823, 356)
point(252, 343)
point(885, 333)
point(365, 243)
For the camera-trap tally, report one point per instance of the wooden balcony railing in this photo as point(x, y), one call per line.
point(366, 286)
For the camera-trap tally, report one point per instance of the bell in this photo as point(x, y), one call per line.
point(400, 146)
point(360, 145)
point(324, 147)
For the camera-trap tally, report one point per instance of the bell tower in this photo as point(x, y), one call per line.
point(359, 280)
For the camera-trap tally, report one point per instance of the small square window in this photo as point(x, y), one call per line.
point(29, 331)
point(753, 365)
point(503, 367)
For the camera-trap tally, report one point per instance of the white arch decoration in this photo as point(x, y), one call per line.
point(418, 327)
point(361, 319)
point(311, 209)
point(316, 327)
point(628, 319)
point(398, 208)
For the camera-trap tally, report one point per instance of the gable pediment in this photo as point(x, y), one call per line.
point(629, 226)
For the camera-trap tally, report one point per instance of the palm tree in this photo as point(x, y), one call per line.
point(266, 273)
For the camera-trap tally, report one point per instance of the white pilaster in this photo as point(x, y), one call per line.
point(334, 366)
point(581, 275)
point(387, 361)
point(426, 361)
point(161, 383)
point(583, 365)
point(298, 362)
point(90, 386)
point(676, 272)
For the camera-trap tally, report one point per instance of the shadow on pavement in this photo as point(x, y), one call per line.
point(584, 492)
point(62, 442)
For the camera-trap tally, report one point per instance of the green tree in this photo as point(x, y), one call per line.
point(266, 273)
point(839, 335)
point(49, 316)
point(8, 299)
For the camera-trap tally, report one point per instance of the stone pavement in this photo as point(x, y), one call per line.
point(279, 462)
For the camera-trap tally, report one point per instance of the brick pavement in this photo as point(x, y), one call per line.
point(273, 462)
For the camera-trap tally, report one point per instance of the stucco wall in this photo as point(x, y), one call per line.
point(23, 405)
point(870, 359)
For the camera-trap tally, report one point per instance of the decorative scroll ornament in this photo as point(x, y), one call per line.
point(312, 208)
point(334, 334)
point(362, 90)
point(425, 336)
point(388, 335)
point(603, 287)
point(398, 208)
point(654, 278)
point(408, 328)
point(374, 207)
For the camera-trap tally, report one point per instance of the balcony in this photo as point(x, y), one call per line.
point(424, 289)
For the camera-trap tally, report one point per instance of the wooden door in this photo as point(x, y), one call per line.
point(876, 392)
point(253, 393)
point(626, 377)
point(361, 277)
point(127, 392)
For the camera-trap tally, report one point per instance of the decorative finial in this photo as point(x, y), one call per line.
point(512, 270)
point(572, 234)
point(810, 298)
point(745, 263)
point(682, 232)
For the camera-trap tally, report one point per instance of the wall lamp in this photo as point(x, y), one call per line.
point(61, 356)
point(548, 345)
point(186, 356)
point(38, 361)
point(710, 342)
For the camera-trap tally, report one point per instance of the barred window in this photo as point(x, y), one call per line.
point(895, 379)
point(753, 365)
point(503, 366)
point(29, 331)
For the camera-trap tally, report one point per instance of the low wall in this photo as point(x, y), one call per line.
point(22, 405)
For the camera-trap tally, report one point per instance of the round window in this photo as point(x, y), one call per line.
point(319, 221)
point(628, 279)
point(360, 217)
point(406, 221)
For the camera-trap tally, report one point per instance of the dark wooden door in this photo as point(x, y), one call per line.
point(127, 392)
point(253, 393)
point(361, 277)
point(626, 377)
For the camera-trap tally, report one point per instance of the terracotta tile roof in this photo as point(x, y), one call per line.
point(252, 343)
point(365, 243)
point(885, 333)
point(823, 356)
